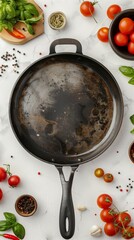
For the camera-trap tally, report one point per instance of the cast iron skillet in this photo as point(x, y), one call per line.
point(66, 109)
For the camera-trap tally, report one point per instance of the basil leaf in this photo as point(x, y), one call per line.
point(132, 131)
point(30, 29)
point(132, 119)
point(19, 230)
point(131, 81)
point(5, 225)
point(10, 217)
point(127, 71)
point(33, 20)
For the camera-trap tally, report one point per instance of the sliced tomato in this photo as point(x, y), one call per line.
point(17, 34)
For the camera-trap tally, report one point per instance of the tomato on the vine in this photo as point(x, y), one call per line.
point(131, 47)
point(108, 215)
point(113, 10)
point(110, 229)
point(123, 219)
point(87, 8)
point(102, 34)
point(104, 201)
point(128, 232)
point(120, 39)
point(99, 172)
point(1, 194)
point(13, 180)
point(108, 177)
point(3, 174)
point(126, 25)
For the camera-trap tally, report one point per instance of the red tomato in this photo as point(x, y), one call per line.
point(87, 8)
point(110, 229)
point(102, 34)
point(132, 37)
point(108, 215)
point(126, 25)
point(13, 180)
point(131, 47)
point(1, 194)
point(104, 201)
point(3, 174)
point(123, 219)
point(108, 177)
point(113, 10)
point(120, 39)
point(128, 232)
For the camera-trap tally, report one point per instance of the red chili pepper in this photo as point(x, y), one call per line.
point(17, 34)
point(9, 236)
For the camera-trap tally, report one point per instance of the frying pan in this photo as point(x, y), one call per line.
point(66, 109)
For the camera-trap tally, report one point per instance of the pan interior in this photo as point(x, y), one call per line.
point(62, 108)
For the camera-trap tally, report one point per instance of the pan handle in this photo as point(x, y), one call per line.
point(67, 217)
point(67, 41)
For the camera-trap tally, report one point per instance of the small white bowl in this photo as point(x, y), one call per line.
point(57, 20)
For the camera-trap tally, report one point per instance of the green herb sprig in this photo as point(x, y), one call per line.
point(128, 72)
point(10, 222)
point(12, 11)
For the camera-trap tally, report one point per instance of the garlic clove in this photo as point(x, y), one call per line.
point(82, 208)
point(95, 231)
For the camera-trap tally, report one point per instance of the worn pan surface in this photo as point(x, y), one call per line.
point(66, 109)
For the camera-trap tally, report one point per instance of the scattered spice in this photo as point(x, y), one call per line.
point(39, 173)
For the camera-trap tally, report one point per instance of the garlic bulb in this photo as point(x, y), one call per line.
point(82, 208)
point(95, 231)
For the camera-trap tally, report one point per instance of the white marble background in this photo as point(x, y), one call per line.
point(46, 188)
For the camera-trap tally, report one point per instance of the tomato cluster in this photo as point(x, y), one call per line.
point(13, 180)
point(125, 35)
point(115, 221)
point(108, 177)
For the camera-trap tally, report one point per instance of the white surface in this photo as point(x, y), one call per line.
point(46, 188)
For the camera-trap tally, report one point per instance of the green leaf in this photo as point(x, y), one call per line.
point(10, 217)
point(30, 29)
point(33, 20)
point(132, 131)
point(127, 71)
point(19, 230)
point(132, 119)
point(131, 81)
point(5, 225)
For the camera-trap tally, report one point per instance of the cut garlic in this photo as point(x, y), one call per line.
point(95, 231)
point(82, 208)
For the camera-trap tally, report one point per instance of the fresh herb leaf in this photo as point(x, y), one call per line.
point(132, 119)
point(33, 20)
point(19, 230)
point(5, 225)
point(131, 81)
point(30, 29)
point(10, 217)
point(127, 71)
point(132, 131)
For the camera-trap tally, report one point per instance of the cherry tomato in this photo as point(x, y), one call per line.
point(123, 219)
point(120, 39)
point(108, 177)
point(3, 174)
point(108, 215)
point(102, 34)
point(110, 229)
point(87, 8)
point(99, 172)
point(132, 37)
point(113, 10)
point(104, 201)
point(128, 232)
point(1, 194)
point(14, 180)
point(131, 47)
point(126, 25)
